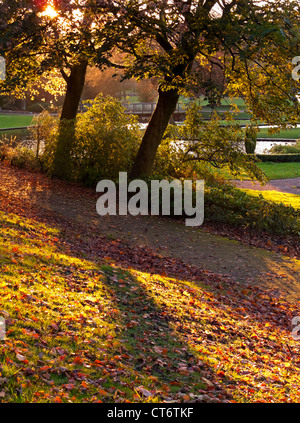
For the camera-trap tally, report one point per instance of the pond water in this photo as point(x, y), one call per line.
point(261, 146)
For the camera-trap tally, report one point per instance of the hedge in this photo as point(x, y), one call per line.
point(279, 158)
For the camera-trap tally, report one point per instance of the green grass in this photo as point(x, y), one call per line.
point(14, 121)
point(230, 205)
point(280, 170)
point(272, 171)
point(241, 118)
point(293, 133)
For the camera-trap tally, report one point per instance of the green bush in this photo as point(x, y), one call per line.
point(286, 149)
point(44, 131)
point(6, 147)
point(250, 139)
point(227, 204)
point(17, 155)
point(186, 147)
point(106, 142)
point(224, 203)
point(168, 160)
point(24, 157)
point(279, 158)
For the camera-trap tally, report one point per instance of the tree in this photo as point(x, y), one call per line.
point(101, 81)
point(39, 39)
point(146, 90)
point(168, 37)
point(70, 48)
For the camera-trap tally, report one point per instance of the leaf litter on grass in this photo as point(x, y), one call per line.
point(83, 328)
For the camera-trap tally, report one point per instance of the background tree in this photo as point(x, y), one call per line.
point(101, 81)
point(147, 90)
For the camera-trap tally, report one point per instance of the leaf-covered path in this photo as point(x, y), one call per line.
point(291, 186)
point(168, 238)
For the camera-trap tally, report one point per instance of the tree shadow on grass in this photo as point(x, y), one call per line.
point(152, 349)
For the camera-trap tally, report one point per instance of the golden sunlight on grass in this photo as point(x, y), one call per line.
point(78, 330)
point(277, 197)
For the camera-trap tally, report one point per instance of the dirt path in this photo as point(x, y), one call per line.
point(244, 264)
point(291, 186)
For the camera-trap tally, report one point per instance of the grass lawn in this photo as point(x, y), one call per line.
point(224, 102)
point(280, 170)
point(293, 133)
point(14, 121)
point(272, 171)
point(240, 118)
point(277, 197)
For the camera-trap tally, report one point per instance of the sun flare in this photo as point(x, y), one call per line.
point(50, 12)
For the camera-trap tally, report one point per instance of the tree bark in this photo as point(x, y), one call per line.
point(75, 84)
point(165, 107)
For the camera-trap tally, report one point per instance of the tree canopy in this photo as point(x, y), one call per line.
point(252, 43)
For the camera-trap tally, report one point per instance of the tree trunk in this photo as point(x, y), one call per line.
point(75, 84)
point(166, 106)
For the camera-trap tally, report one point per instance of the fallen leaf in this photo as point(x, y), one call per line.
point(145, 392)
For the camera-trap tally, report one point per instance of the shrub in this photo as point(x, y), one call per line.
point(279, 158)
point(286, 149)
point(188, 146)
point(44, 131)
point(227, 204)
point(168, 160)
point(24, 157)
point(106, 141)
point(6, 147)
point(250, 139)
